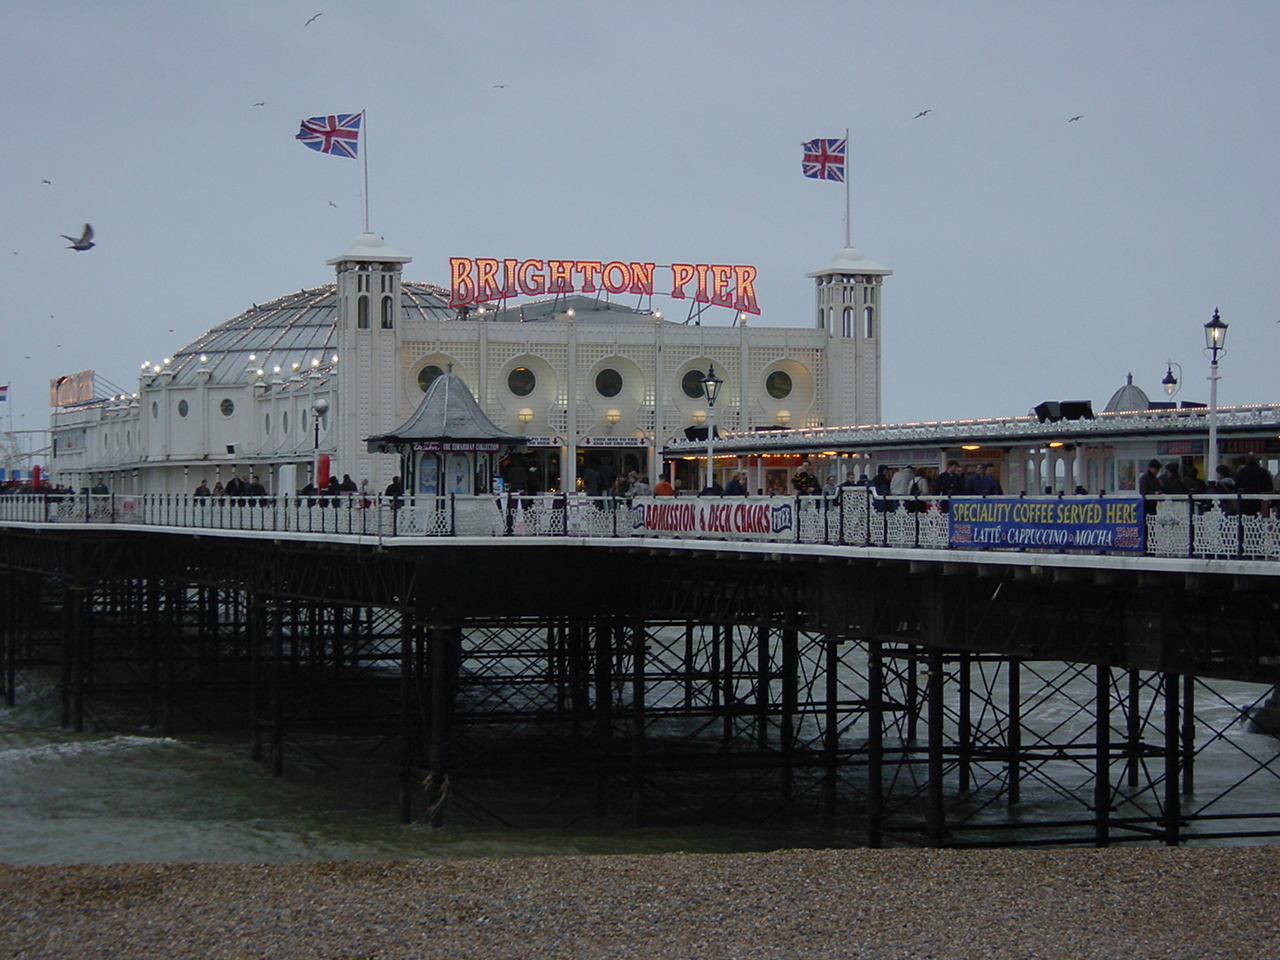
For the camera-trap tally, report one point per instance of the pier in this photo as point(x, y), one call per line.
point(854, 666)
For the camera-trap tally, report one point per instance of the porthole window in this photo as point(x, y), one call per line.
point(521, 381)
point(155, 410)
point(266, 424)
point(427, 376)
point(691, 384)
point(284, 422)
point(302, 417)
point(778, 384)
point(608, 382)
point(227, 407)
point(183, 409)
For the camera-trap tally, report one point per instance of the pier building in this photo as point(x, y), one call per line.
point(581, 377)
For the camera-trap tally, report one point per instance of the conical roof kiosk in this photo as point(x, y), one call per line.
point(448, 445)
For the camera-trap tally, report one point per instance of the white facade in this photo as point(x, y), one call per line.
point(581, 377)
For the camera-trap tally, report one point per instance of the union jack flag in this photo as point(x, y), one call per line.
point(4, 392)
point(824, 160)
point(337, 134)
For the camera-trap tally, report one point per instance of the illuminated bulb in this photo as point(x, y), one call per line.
point(296, 366)
point(145, 364)
point(315, 361)
point(276, 368)
point(253, 356)
point(570, 312)
point(204, 358)
point(335, 358)
point(658, 314)
point(155, 368)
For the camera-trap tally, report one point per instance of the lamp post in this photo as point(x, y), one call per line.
point(711, 386)
point(1215, 339)
point(1169, 381)
point(318, 410)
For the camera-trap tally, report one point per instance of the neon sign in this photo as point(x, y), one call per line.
point(482, 280)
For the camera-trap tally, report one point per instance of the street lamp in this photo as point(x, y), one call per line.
point(1215, 339)
point(711, 386)
point(1170, 382)
point(319, 409)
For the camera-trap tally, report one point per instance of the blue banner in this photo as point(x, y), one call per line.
point(1074, 524)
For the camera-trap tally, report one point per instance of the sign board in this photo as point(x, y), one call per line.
point(1076, 524)
point(75, 388)
point(445, 446)
point(483, 279)
point(706, 516)
point(613, 441)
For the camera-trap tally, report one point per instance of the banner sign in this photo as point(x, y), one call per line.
point(707, 516)
point(483, 279)
point(1076, 524)
point(613, 441)
point(443, 446)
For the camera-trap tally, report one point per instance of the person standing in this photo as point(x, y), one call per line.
point(737, 486)
point(1149, 486)
point(663, 487)
point(950, 483)
point(203, 489)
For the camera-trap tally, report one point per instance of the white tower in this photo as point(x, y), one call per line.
point(848, 309)
point(368, 374)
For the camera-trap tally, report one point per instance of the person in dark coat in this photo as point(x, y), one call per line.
point(1253, 477)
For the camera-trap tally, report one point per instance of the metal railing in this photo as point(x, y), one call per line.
point(1205, 526)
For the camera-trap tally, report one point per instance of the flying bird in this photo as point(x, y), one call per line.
point(308, 23)
point(1074, 119)
point(85, 241)
point(332, 204)
point(921, 114)
point(262, 103)
point(45, 181)
point(499, 86)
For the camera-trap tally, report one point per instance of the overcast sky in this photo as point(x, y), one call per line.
point(1034, 257)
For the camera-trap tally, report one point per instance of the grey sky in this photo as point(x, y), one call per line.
point(1034, 258)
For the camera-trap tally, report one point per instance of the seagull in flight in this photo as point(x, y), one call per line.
point(308, 23)
point(46, 181)
point(1074, 119)
point(921, 114)
point(332, 204)
point(261, 103)
point(499, 86)
point(85, 241)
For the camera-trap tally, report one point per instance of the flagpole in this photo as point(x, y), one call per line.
point(848, 241)
point(364, 132)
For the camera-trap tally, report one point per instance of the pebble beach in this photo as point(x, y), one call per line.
point(1135, 903)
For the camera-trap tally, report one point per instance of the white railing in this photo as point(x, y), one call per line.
point(1208, 525)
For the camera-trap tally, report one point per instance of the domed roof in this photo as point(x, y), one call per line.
point(850, 260)
point(1127, 399)
point(297, 328)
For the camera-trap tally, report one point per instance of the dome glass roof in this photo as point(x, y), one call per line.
point(297, 328)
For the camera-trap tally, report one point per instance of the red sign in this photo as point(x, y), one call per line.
point(482, 280)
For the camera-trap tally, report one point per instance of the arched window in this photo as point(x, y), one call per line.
point(362, 313)
point(847, 330)
point(868, 322)
point(387, 323)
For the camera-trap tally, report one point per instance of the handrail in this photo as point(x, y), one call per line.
point(1214, 525)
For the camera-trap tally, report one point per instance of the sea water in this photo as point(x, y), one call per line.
point(105, 797)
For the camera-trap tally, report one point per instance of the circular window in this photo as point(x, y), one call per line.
point(183, 409)
point(691, 384)
point(426, 377)
point(266, 424)
point(284, 422)
point(155, 410)
point(302, 416)
point(521, 381)
point(608, 382)
point(227, 407)
point(778, 384)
